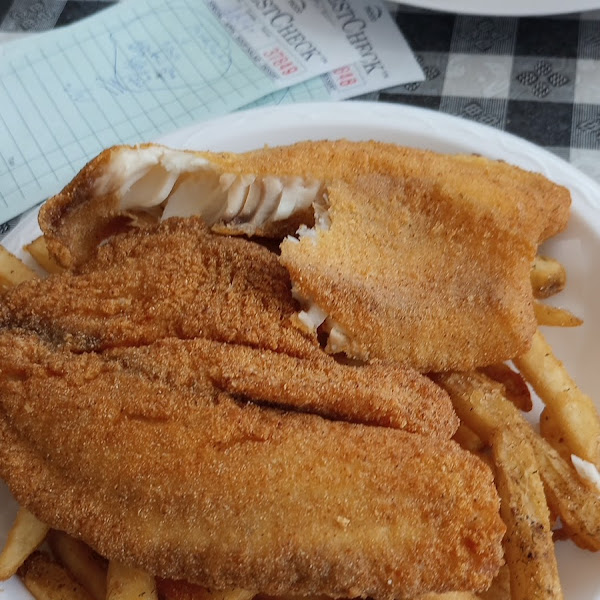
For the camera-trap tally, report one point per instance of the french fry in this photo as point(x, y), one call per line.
point(24, 537)
point(553, 435)
point(552, 316)
point(515, 387)
point(528, 544)
point(87, 567)
point(468, 439)
point(500, 588)
point(479, 402)
point(126, 583)
point(568, 496)
point(47, 580)
point(548, 277)
point(13, 270)
point(574, 412)
point(38, 250)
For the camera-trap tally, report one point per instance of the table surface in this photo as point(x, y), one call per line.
point(536, 77)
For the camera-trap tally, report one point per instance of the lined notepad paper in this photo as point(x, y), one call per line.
point(144, 68)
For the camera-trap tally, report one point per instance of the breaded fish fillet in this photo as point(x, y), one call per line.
point(179, 281)
point(427, 262)
point(174, 280)
point(405, 271)
point(271, 191)
point(140, 454)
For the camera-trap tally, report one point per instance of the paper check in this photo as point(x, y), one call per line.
point(385, 57)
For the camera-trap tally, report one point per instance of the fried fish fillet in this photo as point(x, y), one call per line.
point(142, 455)
point(271, 191)
point(177, 280)
point(440, 286)
point(428, 256)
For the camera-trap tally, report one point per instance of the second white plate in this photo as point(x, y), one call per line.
point(507, 8)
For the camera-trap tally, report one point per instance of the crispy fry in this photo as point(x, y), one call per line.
point(574, 412)
point(480, 403)
point(548, 277)
point(125, 583)
point(500, 588)
point(87, 567)
point(468, 439)
point(13, 270)
point(515, 387)
point(550, 431)
point(26, 534)
point(568, 496)
point(39, 252)
point(47, 580)
point(553, 316)
point(528, 544)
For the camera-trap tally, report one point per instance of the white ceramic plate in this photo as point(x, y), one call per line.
point(507, 8)
point(578, 248)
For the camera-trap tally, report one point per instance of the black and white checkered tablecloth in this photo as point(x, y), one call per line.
point(536, 77)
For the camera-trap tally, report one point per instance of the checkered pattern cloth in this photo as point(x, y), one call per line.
point(538, 78)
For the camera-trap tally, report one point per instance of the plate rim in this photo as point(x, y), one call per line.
point(508, 8)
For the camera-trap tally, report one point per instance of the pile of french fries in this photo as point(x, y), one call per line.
point(544, 498)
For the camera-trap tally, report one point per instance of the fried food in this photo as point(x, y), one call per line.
point(342, 477)
point(514, 386)
point(270, 191)
point(124, 583)
point(12, 270)
point(177, 280)
point(379, 394)
point(575, 415)
point(233, 298)
point(48, 580)
point(156, 467)
point(25, 535)
point(553, 316)
point(417, 276)
point(381, 273)
point(481, 404)
point(202, 437)
point(87, 567)
point(528, 544)
point(548, 277)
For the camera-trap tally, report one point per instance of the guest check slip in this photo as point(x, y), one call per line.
point(141, 69)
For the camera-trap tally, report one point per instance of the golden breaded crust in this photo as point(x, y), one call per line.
point(417, 276)
point(158, 469)
point(176, 279)
point(524, 199)
point(381, 394)
point(88, 209)
point(232, 300)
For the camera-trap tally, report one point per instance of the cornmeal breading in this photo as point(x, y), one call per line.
point(270, 191)
point(175, 280)
point(138, 453)
point(404, 271)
